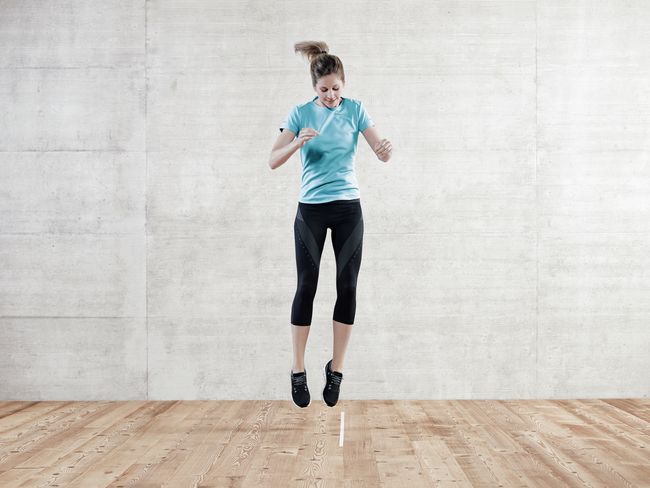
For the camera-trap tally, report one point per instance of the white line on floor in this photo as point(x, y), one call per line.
point(342, 433)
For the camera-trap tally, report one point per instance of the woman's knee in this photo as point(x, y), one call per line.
point(306, 291)
point(307, 283)
point(346, 291)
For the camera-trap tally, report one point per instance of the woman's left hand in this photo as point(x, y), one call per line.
point(383, 149)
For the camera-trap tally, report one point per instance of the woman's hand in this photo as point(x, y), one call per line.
point(383, 149)
point(305, 135)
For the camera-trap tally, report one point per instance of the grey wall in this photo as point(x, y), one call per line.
point(146, 248)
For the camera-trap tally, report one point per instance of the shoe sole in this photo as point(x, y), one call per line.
point(299, 407)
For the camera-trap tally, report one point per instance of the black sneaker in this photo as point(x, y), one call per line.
point(299, 390)
point(332, 385)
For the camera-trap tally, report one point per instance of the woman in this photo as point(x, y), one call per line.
point(326, 129)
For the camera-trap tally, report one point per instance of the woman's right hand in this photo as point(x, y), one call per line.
point(305, 135)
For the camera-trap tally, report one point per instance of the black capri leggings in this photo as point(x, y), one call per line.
point(345, 219)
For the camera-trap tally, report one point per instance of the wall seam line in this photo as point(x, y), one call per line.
point(146, 203)
point(536, 217)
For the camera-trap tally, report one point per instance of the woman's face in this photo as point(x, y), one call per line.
point(329, 90)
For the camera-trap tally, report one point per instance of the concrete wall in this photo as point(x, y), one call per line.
point(146, 248)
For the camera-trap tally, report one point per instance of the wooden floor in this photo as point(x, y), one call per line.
point(482, 443)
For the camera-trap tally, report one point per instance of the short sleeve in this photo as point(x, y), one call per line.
point(365, 120)
point(292, 121)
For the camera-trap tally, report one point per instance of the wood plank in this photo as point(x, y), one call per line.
point(242, 443)
point(120, 457)
point(639, 407)
point(16, 477)
point(13, 426)
point(359, 460)
point(92, 453)
point(160, 460)
point(66, 442)
point(459, 443)
point(10, 408)
point(397, 462)
point(204, 466)
point(27, 438)
point(437, 461)
point(552, 444)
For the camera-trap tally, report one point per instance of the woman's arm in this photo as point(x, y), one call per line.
point(283, 149)
point(382, 147)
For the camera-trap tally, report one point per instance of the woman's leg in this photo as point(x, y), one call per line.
point(341, 338)
point(347, 239)
point(300, 334)
point(309, 235)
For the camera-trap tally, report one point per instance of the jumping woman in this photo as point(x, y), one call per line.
point(326, 129)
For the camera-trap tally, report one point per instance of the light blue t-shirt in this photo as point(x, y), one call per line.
point(328, 159)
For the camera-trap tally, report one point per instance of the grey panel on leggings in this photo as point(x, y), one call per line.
point(351, 245)
point(308, 238)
